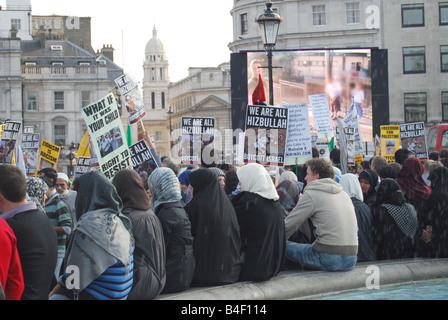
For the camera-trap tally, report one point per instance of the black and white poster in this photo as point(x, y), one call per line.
point(265, 135)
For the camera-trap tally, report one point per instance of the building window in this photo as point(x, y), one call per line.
point(445, 106)
point(163, 100)
point(414, 60)
point(159, 136)
point(244, 24)
point(17, 23)
point(415, 107)
point(59, 100)
point(31, 100)
point(444, 58)
point(38, 23)
point(412, 15)
point(85, 98)
point(48, 24)
point(57, 24)
point(443, 13)
point(153, 100)
point(352, 12)
point(319, 18)
point(59, 135)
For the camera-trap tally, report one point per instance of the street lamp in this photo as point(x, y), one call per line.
point(170, 113)
point(70, 156)
point(268, 24)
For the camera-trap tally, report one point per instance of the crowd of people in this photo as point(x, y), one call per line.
point(213, 224)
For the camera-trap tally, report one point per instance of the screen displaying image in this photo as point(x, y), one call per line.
point(343, 75)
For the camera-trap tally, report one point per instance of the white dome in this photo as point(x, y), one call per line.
point(155, 45)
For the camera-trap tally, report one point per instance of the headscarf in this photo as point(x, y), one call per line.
point(287, 175)
point(372, 178)
point(164, 187)
point(217, 171)
point(254, 178)
point(129, 186)
point(389, 195)
point(215, 228)
point(288, 192)
point(411, 181)
point(103, 233)
point(184, 177)
point(36, 189)
point(439, 184)
point(350, 184)
point(96, 192)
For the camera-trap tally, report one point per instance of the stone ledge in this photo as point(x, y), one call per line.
point(300, 284)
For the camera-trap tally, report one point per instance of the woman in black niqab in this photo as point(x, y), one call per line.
point(217, 242)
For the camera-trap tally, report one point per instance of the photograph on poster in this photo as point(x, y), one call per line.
point(110, 141)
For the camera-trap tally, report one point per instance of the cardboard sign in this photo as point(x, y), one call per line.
point(197, 134)
point(266, 131)
point(48, 155)
point(107, 135)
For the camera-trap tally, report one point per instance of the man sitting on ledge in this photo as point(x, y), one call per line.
point(332, 213)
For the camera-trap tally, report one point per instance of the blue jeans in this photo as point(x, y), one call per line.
point(305, 255)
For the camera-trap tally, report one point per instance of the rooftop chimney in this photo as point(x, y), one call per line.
point(108, 51)
point(42, 36)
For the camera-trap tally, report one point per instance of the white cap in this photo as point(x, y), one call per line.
point(62, 176)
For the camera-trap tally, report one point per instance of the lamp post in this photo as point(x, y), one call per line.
point(268, 24)
point(70, 156)
point(170, 113)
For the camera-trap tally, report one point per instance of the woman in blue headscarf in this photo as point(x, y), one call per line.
point(184, 180)
point(168, 206)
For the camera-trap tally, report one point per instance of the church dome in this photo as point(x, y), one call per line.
point(155, 45)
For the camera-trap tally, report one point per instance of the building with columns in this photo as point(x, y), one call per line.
point(156, 81)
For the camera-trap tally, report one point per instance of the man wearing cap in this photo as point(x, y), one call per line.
point(63, 189)
point(58, 212)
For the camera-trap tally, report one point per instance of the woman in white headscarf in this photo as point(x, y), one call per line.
point(350, 184)
point(262, 228)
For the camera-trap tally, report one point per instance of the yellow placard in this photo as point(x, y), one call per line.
point(48, 156)
point(390, 141)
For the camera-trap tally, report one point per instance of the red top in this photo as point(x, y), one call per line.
point(11, 277)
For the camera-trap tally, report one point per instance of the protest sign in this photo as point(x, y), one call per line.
point(8, 141)
point(413, 138)
point(30, 149)
point(266, 130)
point(352, 120)
point(321, 113)
point(390, 141)
point(298, 140)
point(197, 133)
point(132, 98)
point(48, 156)
point(107, 135)
point(82, 166)
point(142, 159)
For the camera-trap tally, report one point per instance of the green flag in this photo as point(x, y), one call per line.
point(128, 135)
point(331, 144)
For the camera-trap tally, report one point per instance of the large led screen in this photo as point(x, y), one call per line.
point(343, 75)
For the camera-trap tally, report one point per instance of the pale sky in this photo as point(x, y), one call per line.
point(195, 33)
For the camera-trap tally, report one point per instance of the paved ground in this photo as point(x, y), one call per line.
point(302, 284)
